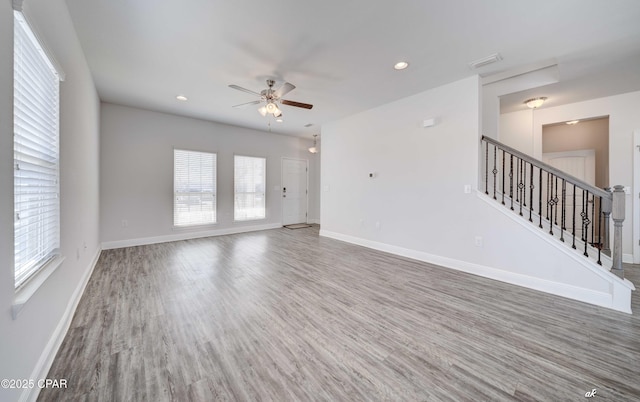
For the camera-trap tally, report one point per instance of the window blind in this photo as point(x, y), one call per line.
point(249, 186)
point(36, 161)
point(194, 183)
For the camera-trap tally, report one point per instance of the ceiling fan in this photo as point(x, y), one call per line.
point(272, 97)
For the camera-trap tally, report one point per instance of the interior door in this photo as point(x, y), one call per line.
point(294, 191)
point(582, 165)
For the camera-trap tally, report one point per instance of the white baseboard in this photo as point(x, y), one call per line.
point(608, 300)
point(186, 236)
point(627, 258)
point(51, 349)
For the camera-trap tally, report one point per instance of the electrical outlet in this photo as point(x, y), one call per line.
point(478, 241)
point(125, 223)
point(467, 188)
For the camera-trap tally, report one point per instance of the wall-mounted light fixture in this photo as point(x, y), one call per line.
point(314, 148)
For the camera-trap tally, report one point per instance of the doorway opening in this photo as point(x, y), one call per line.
point(583, 135)
point(581, 149)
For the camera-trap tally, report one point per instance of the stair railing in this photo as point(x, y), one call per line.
point(569, 208)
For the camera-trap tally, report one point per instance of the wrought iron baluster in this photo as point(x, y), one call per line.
point(585, 220)
point(524, 184)
point(503, 157)
point(531, 186)
point(486, 168)
point(593, 219)
point(555, 200)
point(563, 208)
point(540, 198)
point(552, 202)
point(548, 194)
point(494, 171)
point(521, 174)
point(573, 219)
point(518, 180)
point(511, 179)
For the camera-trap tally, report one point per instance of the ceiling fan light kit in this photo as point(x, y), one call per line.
point(271, 97)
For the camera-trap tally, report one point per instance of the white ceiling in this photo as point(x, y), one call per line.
point(340, 53)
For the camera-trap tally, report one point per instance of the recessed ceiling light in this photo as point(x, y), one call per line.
point(572, 122)
point(401, 65)
point(279, 120)
point(181, 98)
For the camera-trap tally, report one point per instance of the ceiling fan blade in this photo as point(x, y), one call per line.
point(245, 90)
point(296, 104)
point(283, 90)
point(257, 102)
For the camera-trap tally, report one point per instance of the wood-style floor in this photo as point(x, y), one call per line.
point(284, 315)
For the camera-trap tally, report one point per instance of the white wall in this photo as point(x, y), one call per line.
point(623, 120)
point(414, 167)
point(515, 130)
point(137, 172)
point(27, 342)
point(416, 205)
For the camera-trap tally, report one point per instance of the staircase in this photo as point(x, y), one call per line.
point(576, 213)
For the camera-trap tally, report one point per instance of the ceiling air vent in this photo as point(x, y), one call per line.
point(308, 125)
point(485, 61)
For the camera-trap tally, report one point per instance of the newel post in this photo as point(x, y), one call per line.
point(617, 213)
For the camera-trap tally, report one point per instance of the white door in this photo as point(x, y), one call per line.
point(294, 191)
point(582, 165)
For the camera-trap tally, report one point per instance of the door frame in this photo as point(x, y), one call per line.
point(635, 198)
point(306, 161)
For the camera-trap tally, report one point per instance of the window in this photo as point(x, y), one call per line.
point(36, 158)
point(250, 184)
point(194, 186)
